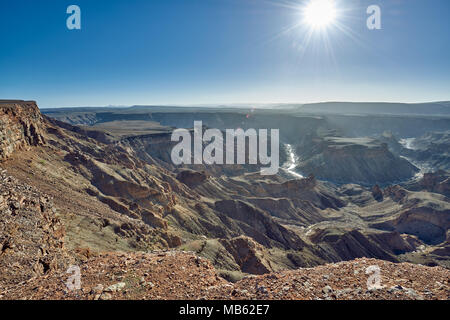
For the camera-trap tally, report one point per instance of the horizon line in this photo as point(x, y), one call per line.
point(232, 104)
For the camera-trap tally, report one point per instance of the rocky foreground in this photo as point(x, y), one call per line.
point(182, 275)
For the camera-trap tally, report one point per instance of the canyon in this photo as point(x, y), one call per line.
point(97, 187)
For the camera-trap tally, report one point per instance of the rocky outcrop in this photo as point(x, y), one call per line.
point(247, 254)
point(303, 193)
point(396, 193)
point(20, 126)
point(31, 234)
point(424, 216)
point(438, 182)
point(192, 178)
point(377, 193)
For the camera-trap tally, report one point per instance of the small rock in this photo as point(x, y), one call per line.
point(327, 289)
point(97, 289)
point(413, 294)
point(357, 291)
point(115, 287)
point(261, 289)
point(106, 296)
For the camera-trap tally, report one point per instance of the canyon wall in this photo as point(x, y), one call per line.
point(20, 126)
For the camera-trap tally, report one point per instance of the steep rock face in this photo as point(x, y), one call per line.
point(20, 126)
point(353, 160)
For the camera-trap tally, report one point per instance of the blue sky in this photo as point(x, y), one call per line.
point(221, 51)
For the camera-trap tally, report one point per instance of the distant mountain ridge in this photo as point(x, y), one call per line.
point(429, 108)
point(436, 109)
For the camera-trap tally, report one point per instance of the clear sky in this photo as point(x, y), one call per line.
point(221, 51)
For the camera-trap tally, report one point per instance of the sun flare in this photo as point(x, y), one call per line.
point(319, 14)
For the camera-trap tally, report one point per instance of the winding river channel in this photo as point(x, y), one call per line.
point(291, 163)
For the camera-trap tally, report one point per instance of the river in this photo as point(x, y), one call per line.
point(291, 163)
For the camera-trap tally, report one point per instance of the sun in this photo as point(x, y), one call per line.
point(319, 14)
